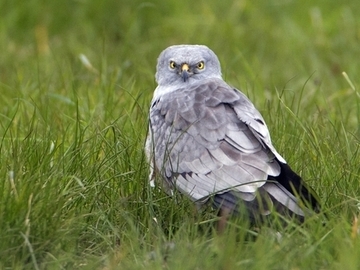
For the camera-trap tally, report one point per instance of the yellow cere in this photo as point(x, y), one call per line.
point(185, 67)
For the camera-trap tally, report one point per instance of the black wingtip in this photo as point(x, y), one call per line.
point(296, 186)
point(259, 209)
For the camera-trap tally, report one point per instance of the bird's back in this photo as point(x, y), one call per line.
point(209, 141)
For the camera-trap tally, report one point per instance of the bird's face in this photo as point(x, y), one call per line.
point(182, 64)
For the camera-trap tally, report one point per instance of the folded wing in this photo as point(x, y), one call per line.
point(209, 139)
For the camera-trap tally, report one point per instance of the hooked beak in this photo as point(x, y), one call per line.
point(185, 69)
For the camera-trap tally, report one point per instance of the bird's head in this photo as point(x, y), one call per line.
point(182, 64)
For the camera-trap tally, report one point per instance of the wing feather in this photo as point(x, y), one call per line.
point(206, 140)
point(247, 113)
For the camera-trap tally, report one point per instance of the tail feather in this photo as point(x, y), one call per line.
point(296, 186)
point(286, 194)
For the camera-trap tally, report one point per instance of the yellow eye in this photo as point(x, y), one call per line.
point(200, 65)
point(172, 65)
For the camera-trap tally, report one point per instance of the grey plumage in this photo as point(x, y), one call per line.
point(207, 139)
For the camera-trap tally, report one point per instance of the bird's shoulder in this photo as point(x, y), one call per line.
point(199, 134)
point(209, 113)
point(211, 99)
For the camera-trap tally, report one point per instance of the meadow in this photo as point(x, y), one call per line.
point(76, 81)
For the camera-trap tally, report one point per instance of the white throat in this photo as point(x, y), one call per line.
point(165, 89)
point(162, 90)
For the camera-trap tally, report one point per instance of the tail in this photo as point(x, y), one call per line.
point(286, 193)
point(297, 187)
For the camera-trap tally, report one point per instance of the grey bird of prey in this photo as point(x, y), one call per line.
point(208, 141)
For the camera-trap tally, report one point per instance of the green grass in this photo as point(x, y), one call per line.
point(74, 191)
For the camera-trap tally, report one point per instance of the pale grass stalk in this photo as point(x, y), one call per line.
point(352, 86)
point(26, 235)
point(12, 183)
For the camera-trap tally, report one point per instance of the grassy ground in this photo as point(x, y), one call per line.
point(74, 191)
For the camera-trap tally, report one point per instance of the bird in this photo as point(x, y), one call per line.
point(207, 141)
